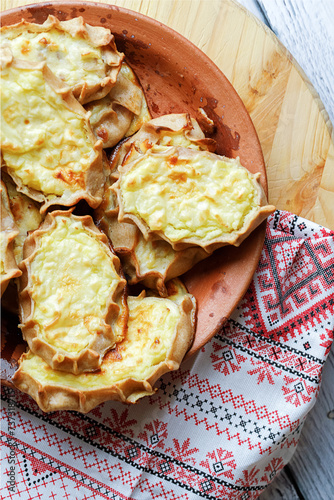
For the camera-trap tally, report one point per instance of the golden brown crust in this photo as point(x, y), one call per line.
point(157, 130)
point(126, 236)
point(183, 339)
point(122, 112)
point(261, 209)
point(94, 35)
point(51, 394)
point(113, 321)
point(109, 121)
point(8, 234)
point(134, 251)
point(88, 184)
point(139, 106)
point(26, 214)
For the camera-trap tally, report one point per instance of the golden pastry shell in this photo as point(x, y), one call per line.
point(9, 232)
point(90, 358)
point(235, 237)
point(96, 36)
point(94, 176)
point(125, 237)
point(151, 133)
point(52, 397)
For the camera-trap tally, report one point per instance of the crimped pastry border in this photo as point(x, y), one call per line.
point(233, 238)
point(52, 397)
point(125, 238)
point(10, 231)
point(121, 113)
point(26, 214)
point(125, 235)
point(90, 358)
point(94, 176)
point(151, 132)
point(95, 35)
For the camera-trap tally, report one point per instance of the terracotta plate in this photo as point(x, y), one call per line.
point(176, 77)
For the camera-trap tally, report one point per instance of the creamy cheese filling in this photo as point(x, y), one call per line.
point(151, 328)
point(43, 141)
point(154, 255)
point(72, 278)
point(169, 138)
point(202, 197)
point(73, 60)
point(177, 139)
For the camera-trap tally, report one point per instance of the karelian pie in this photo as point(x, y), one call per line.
point(176, 129)
point(189, 197)
point(122, 112)
point(72, 294)
point(151, 263)
point(160, 331)
point(82, 56)
point(47, 144)
point(8, 233)
point(26, 214)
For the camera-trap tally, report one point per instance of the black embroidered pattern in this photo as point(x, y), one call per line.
point(127, 459)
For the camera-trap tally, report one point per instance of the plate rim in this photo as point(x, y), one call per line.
point(259, 232)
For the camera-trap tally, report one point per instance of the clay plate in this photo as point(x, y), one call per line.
point(176, 77)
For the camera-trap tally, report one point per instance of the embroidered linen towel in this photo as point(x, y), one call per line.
point(219, 428)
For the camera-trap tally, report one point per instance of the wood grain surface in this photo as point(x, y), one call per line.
point(296, 137)
point(306, 29)
point(291, 122)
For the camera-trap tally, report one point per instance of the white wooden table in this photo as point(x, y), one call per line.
point(306, 28)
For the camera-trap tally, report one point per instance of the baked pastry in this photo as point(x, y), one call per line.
point(26, 214)
point(122, 112)
point(8, 233)
point(47, 144)
point(151, 263)
point(72, 294)
point(189, 197)
point(159, 334)
point(177, 129)
point(144, 115)
point(84, 57)
point(84, 346)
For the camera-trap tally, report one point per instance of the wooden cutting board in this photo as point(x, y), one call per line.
point(291, 122)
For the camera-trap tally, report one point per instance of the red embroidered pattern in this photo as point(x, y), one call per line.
point(246, 394)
